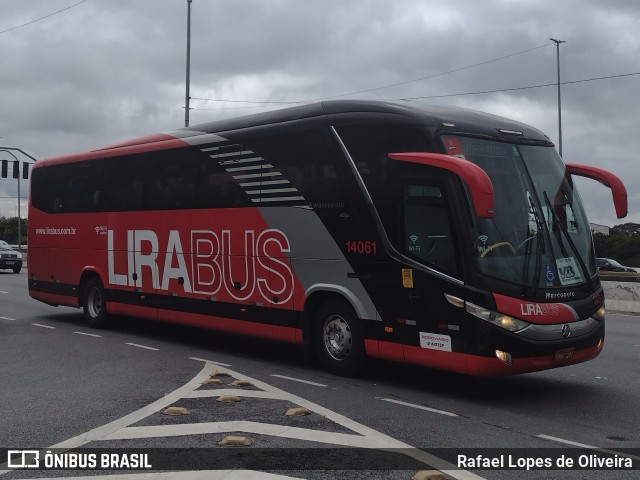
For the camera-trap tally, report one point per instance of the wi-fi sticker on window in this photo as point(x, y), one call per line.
point(413, 238)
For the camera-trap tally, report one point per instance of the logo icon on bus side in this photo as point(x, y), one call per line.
point(566, 331)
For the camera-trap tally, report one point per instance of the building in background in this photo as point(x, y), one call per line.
point(595, 228)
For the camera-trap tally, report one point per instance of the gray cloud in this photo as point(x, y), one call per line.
point(108, 70)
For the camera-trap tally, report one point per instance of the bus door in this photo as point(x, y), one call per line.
point(416, 310)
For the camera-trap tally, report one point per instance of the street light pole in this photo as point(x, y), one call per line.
point(187, 96)
point(558, 42)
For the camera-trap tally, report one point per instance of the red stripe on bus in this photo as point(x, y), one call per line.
point(164, 142)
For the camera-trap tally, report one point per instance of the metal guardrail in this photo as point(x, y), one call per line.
point(619, 276)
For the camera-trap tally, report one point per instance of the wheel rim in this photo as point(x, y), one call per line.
point(337, 337)
point(94, 302)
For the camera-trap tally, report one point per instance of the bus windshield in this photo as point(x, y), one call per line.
point(539, 235)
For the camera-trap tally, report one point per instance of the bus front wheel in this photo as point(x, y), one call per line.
point(94, 304)
point(338, 338)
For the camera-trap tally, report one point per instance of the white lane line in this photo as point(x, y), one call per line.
point(582, 445)
point(420, 407)
point(7, 318)
point(209, 361)
point(43, 326)
point(2, 291)
point(88, 334)
point(142, 346)
point(299, 380)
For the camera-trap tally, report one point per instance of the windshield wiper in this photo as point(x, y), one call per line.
point(540, 243)
point(559, 229)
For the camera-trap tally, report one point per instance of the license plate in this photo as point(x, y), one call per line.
point(10, 262)
point(564, 354)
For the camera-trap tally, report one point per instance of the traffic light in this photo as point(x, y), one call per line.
point(4, 169)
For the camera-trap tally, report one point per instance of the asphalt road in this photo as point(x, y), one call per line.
point(59, 380)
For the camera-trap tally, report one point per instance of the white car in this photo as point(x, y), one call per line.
point(9, 258)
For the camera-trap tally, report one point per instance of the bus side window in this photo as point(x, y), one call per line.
point(311, 177)
point(48, 190)
point(174, 185)
point(126, 185)
point(427, 231)
point(86, 179)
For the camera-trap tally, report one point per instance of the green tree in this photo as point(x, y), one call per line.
point(623, 244)
point(9, 229)
point(626, 229)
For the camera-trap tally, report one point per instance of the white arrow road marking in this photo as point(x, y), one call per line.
point(209, 361)
point(363, 436)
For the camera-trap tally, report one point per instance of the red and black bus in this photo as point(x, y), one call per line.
point(441, 237)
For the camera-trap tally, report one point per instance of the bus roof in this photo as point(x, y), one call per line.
point(462, 119)
point(452, 119)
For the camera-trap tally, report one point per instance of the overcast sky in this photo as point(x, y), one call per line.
point(103, 71)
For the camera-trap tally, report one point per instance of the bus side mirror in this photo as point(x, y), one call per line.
point(475, 177)
point(608, 179)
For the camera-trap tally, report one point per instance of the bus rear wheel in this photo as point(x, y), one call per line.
point(94, 304)
point(338, 338)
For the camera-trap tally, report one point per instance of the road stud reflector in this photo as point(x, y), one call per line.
point(235, 441)
point(228, 398)
point(241, 383)
point(176, 411)
point(298, 411)
point(212, 381)
point(429, 475)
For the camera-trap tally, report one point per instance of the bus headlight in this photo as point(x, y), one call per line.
point(503, 321)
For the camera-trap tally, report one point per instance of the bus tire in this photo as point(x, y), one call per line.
point(94, 304)
point(338, 338)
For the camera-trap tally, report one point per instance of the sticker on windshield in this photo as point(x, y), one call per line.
point(549, 273)
point(568, 271)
